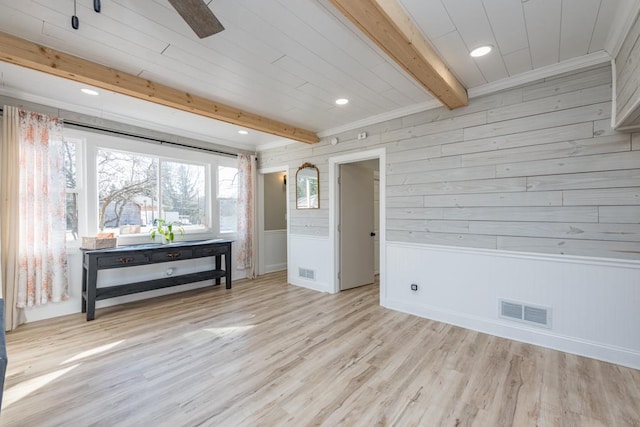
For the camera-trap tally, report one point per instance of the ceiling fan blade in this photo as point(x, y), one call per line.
point(197, 14)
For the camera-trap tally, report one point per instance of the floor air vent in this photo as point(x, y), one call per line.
point(532, 315)
point(307, 273)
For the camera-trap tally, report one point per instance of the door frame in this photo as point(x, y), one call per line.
point(260, 191)
point(334, 212)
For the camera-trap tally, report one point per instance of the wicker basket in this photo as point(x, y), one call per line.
point(97, 243)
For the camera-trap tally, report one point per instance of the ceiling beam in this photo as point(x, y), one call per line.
point(387, 24)
point(41, 58)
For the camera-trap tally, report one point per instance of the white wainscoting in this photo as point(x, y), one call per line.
point(312, 253)
point(275, 253)
point(595, 302)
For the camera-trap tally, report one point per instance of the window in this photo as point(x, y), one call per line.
point(183, 194)
point(227, 198)
point(135, 189)
point(71, 176)
point(121, 185)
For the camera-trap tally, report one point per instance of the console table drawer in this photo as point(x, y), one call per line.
point(122, 260)
point(210, 251)
point(171, 254)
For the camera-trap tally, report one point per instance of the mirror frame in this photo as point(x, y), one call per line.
point(308, 165)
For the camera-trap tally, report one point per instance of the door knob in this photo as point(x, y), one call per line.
point(372, 234)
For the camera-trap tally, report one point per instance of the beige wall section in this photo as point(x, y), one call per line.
point(275, 202)
point(628, 79)
point(536, 169)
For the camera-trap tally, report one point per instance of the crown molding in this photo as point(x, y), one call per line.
point(574, 64)
point(625, 16)
point(274, 144)
point(401, 112)
point(596, 58)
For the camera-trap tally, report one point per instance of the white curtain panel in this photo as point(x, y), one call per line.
point(246, 214)
point(10, 214)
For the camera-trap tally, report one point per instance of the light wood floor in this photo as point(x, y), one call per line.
point(266, 353)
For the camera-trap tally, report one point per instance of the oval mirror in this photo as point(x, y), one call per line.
point(307, 187)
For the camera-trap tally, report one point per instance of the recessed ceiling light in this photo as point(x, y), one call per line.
point(89, 92)
point(481, 51)
point(342, 101)
point(243, 132)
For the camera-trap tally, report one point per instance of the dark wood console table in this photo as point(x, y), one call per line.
point(130, 256)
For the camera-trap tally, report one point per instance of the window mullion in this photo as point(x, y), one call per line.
point(159, 180)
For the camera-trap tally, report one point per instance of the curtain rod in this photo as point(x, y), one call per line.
point(147, 138)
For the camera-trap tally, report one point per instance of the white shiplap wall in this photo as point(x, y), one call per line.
point(533, 169)
point(517, 187)
point(628, 80)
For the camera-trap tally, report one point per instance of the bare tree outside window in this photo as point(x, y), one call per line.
point(227, 198)
point(183, 193)
point(134, 190)
point(71, 176)
point(125, 181)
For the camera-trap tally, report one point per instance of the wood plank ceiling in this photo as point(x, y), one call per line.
point(386, 23)
point(290, 59)
point(31, 55)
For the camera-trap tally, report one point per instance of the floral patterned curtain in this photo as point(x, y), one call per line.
point(246, 214)
point(42, 253)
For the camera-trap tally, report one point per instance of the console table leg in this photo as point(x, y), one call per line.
point(84, 287)
point(92, 279)
point(227, 266)
point(218, 265)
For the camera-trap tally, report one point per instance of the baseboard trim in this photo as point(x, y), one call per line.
point(308, 284)
point(275, 267)
point(522, 333)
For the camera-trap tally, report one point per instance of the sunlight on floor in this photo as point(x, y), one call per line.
point(206, 334)
point(92, 352)
point(25, 388)
point(229, 330)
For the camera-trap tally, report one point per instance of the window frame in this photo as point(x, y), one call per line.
point(88, 200)
point(218, 198)
point(80, 188)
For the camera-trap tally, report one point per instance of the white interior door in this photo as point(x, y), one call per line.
point(356, 226)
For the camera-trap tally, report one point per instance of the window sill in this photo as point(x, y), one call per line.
point(139, 239)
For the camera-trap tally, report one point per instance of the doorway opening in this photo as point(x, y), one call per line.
point(357, 219)
point(272, 220)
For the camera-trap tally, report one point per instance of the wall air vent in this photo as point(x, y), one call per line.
point(536, 315)
point(526, 313)
point(511, 310)
point(307, 273)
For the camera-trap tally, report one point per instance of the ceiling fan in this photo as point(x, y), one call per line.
point(198, 16)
